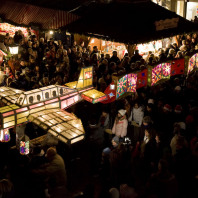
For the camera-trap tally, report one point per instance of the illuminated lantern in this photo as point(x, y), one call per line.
point(5, 135)
point(156, 74)
point(24, 146)
point(132, 81)
point(94, 96)
point(14, 50)
point(178, 67)
point(142, 78)
point(166, 70)
point(193, 62)
point(110, 93)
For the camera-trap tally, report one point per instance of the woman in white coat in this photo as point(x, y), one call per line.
point(120, 124)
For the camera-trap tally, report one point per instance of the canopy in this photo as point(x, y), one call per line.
point(129, 22)
point(24, 14)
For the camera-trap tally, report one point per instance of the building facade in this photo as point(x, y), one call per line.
point(185, 8)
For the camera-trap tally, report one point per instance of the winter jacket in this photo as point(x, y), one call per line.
point(137, 115)
point(120, 127)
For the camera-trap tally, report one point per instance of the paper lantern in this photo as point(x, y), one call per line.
point(110, 93)
point(93, 96)
point(156, 74)
point(85, 79)
point(24, 146)
point(178, 67)
point(142, 78)
point(63, 125)
point(121, 86)
point(193, 63)
point(166, 70)
point(132, 81)
point(5, 135)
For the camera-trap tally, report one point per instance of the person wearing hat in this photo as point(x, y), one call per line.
point(120, 124)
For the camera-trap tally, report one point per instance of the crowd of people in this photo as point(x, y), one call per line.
point(41, 63)
point(144, 145)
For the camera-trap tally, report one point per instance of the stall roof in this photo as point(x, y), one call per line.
point(24, 14)
point(129, 22)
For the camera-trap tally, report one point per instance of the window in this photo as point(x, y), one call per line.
point(38, 98)
point(31, 99)
point(47, 95)
point(54, 93)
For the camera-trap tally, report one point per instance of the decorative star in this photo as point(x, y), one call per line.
point(111, 95)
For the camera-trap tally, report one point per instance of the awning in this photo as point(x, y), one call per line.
point(28, 15)
point(129, 22)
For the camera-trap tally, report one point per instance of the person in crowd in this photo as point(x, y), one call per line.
point(163, 183)
point(8, 72)
point(55, 172)
point(135, 57)
point(178, 141)
point(120, 124)
point(165, 126)
point(2, 75)
point(115, 58)
point(135, 119)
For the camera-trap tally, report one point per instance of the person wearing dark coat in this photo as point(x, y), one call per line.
point(162, 184)
point(115, 58)
point(135, 57)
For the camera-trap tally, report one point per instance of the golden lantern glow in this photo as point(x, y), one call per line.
point(63, 125)
point(93, 96)
point(85, 79)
